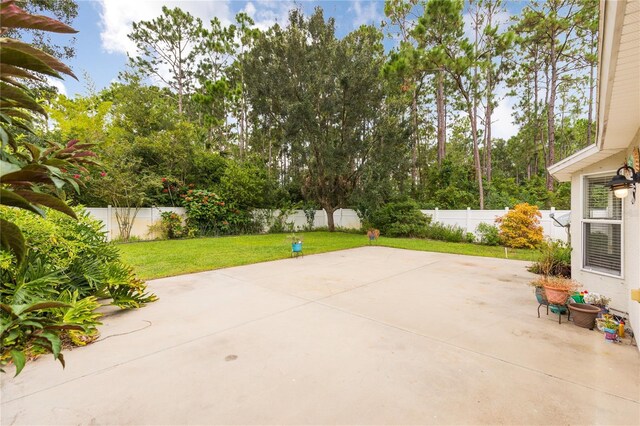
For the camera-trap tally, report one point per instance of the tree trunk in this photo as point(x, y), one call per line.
point(473, 116)
point(487, 127)
point(489, 109)
point(330, 224)
point(536, 118)
point(476, 155)
point(440, 109)
point(180, 93)
point(414, 148)
point(551, 130)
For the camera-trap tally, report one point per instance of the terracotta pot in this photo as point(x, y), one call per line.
point(556, 296)
point(584, 315)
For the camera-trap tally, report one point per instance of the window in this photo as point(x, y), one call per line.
point(601, 227)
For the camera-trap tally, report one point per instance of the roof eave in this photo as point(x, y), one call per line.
point(563, 170)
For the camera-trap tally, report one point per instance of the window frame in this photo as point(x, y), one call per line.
point(583, 220)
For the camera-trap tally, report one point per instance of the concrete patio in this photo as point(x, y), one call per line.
point(368, 336)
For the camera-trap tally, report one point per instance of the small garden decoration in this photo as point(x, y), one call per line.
point(296, 245)
point(610, 328)
point(373, 234)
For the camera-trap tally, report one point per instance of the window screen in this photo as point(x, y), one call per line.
point(601, 227)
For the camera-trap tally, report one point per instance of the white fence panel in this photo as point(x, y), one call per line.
point(145, 218)
point(470, 219)
point(343, 218)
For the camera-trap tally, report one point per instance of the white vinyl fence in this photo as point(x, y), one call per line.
point(145, 218)
point(470, 219)
point(343, 218)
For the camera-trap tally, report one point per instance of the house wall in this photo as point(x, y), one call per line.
point(619, 289)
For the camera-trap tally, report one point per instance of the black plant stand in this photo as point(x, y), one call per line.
point(559, 309)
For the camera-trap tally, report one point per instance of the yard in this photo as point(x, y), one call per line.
point(157, 259)
point(371, 335)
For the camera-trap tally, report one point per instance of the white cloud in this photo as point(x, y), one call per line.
point(266, 13)
point(118, 15)
point(58, 84)
point(366, 12)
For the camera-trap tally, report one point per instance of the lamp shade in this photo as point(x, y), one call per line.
point(620, 184)
point(621, 192)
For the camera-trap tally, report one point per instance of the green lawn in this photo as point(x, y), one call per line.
point(156, 259)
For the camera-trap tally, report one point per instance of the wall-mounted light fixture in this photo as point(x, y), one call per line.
point(620, 184)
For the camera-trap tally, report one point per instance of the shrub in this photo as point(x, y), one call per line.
point(554, 259)
point(209, 214)
point(489, 235)
point(68, 254)
point(310, 215)
point(449, 233)
point(520, 227)
point(400, 219)
point(51, 297)
point(172, 225)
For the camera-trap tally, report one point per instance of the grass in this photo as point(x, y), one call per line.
point(157, 259)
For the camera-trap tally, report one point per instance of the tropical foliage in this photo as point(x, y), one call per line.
point(54, 260)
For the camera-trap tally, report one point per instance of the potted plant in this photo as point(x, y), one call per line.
point(539, 291)
point(540, 296)
point(557, 289)
point(598, 300)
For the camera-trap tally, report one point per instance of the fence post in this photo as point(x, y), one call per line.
point(468, 217)
point(109, 219)
point(435, 215)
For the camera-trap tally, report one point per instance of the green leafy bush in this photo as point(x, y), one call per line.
point(489, 235)
point(30, 328)
point(209, 215)
point(554, 259)
point(400, 219)
point(81, 312)
point(171, 225)
point(68, 254)
point(52, 296)
point(449, 233)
